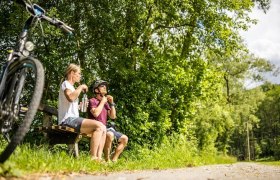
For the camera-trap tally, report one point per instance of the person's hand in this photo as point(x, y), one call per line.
point(110, 99)
point(84, 88)
point(104, 99)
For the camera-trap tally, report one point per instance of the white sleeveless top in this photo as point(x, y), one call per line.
point(65, 108)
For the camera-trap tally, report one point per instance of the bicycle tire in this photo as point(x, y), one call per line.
point(33, 105)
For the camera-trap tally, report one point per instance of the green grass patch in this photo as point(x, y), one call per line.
point(268, 161)
point(274, 163)
point(29, 160)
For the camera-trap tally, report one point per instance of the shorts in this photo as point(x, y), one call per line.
point(117, 134)
point(73, 122)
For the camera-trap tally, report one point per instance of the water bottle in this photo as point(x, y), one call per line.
point(84, 103)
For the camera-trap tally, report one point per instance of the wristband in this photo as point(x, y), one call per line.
point(112, 104)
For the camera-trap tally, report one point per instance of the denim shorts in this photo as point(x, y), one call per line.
point(117, 134)
point(73, 122)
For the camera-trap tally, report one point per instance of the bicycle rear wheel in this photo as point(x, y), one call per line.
point(20, 101)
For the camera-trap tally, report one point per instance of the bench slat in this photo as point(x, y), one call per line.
point(48, 109)
point(57, 127)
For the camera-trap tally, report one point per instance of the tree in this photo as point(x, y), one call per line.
point(165, 61)
point(267, 131)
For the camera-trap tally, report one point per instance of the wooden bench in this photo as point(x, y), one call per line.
point(57, 134)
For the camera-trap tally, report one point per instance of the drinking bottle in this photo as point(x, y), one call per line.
point(84, 103)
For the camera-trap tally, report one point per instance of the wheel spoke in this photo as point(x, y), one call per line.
point(20, 101)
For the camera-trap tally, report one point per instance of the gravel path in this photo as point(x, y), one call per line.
point(225, 171)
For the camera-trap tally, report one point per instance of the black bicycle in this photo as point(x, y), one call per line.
point(21, 84)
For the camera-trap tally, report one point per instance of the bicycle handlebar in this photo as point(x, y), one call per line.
point(58, 23)
point(37, 11)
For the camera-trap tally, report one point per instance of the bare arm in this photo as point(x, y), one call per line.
point(112, 112)
point(96, 111)
point(72, 96)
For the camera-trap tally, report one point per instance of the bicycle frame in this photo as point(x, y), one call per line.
point(18, 73)
point(15, 56)
point(36, 12)
point(13, 59)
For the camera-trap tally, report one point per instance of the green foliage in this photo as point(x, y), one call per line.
point(173, 67)
point(267, 131)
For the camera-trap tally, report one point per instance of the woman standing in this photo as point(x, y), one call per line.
point(68, 112)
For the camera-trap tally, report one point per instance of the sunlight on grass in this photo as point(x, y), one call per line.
point(269, 162)
point(42, 159)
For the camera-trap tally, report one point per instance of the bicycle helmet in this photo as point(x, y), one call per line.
point(98, 83)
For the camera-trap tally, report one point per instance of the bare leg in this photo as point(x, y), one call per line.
point(122, 143)
point(96, 129)
point(108, 145)
point(94, 143)
point(101, 144)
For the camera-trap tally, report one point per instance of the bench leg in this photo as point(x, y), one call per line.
point(74, 149)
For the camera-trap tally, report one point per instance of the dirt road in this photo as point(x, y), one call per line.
point(233, 171)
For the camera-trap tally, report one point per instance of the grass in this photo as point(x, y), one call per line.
point(31, 160)
point(274, 163)
point(269, 161)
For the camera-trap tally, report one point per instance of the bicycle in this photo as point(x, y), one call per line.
point(22, 83)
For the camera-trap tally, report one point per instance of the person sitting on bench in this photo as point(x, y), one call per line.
point(68, 112)
point(101, 106)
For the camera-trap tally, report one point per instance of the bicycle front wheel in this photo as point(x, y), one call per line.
point(19, 102)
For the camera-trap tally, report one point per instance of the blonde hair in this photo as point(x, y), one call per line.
point(70, 68)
